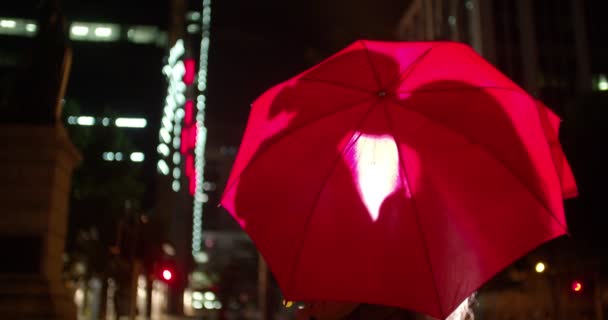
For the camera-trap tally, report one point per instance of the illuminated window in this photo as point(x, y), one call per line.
point(137, 156)
point(103, 32)
point(79, 30)
point(85, 121)
point(8, 24)
point(131, 122)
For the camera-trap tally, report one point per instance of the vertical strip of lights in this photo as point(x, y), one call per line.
point(201, 136)
point(173, 114)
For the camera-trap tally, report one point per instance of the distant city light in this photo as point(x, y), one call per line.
point(103, 32)
point(163, 167)
point(540, 267)
point(118, 156)
point(137, 156)
point(85, 121)
point(105, 122)
point(175, 186)
point(79, 30)
point(108, 156)
point(30, 27)
point(193, 28)
point(163, 149)
point(194, 15)
point(577, 286)
point(131, 122)
point(209, 295)
point(602, 83)
point(167, 275)
point(9, 24)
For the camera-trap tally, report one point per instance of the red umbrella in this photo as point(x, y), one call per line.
point(551, 124)
point(400, 174)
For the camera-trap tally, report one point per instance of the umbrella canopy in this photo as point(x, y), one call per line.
point(551, 122)
point(400, 174)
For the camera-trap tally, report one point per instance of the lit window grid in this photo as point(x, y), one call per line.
point(199, 196)
point(89, 31)
point(136, 123)
point(119, 156)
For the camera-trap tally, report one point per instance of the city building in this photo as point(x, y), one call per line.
point(541, 45)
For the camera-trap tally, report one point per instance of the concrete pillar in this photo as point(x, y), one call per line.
point(36, 170)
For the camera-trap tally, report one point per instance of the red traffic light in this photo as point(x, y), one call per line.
point(167, 274)
point(577, 286)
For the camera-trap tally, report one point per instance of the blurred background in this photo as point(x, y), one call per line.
point(155, 102)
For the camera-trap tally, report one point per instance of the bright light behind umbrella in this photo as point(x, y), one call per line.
point(377, 170)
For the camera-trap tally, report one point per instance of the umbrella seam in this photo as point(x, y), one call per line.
point(372, 66)
point(337, 84)
point(408, 71)
point(555, 141)
point(405, 179)
point(313, 208)
point(492, 155)
point(286, 134)
point(463, 89)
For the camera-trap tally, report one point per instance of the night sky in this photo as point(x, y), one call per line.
point(256, 44)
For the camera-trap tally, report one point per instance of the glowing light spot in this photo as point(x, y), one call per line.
point(197, 295)
point(540, 267)
point(209, 295)
point(131, 122)
point(103, 32)
point(577, 286)
point(163, 149)
point(167, 275)
point(376, 170)
point(137, 157)
point(108, 156)
point(602, 83)
point(163, 167)
point(30, 27)
point(85, 121)
point(79, 30)
point(9, 24)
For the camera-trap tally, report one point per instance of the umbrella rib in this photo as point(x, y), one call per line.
point(336, 84)
point(408, 71)
point(416, 210)
point(461, 89)
point(372, 66)
point(492, 154)
point(282, 135)
point(317, 198)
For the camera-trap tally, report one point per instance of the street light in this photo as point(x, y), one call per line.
point(540, 267)
point(167, 274)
